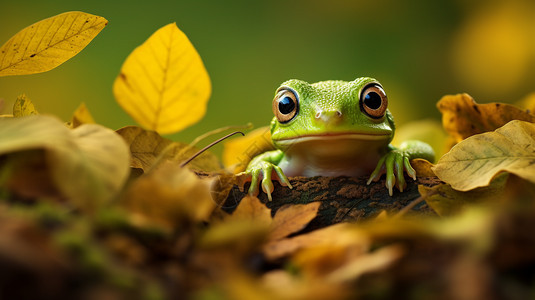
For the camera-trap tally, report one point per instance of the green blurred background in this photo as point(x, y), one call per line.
point(420, 50)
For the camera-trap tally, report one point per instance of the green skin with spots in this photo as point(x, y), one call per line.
point(331, 135)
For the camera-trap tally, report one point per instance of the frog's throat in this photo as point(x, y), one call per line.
point(333, 136)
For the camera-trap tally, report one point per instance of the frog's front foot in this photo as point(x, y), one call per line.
point(263, 170)
point(393, 164)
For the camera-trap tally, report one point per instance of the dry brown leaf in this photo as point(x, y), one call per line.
point(250, 208)
point(422, 167)
point(370, 262)
point(446, 201)
point(292, 218)
point(463, 117)
point(146, 146)
point(335, 235)
point(168, 196)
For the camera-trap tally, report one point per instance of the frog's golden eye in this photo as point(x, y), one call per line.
point(373, 101)
point(285, 105)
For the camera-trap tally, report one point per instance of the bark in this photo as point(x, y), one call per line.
point(344, 199)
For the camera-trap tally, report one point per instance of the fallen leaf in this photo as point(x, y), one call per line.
point(146, 146)
point(163, 83)
point(88, 164)
point(422, 167)
point(243, 231)
point(238, 152)
point(49, 43)
point(168, 196)
point(291, 218)
point(446, 201)
point(339, 234)
point(368, 263)
point(475, 161)
point(250, 208)
point(23, 106)
point(81, 116)
point(463, 117)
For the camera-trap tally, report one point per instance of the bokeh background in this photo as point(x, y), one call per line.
point(420, 50)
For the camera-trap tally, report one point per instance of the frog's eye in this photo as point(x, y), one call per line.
point(373, 101)
point(285, 105)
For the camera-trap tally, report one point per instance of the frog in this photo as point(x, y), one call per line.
point(334, 128)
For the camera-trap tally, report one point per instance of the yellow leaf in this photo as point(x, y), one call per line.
point(292, 218)
point(242, 231)
point(23, 107)
point(163, 83)
point(422, 167)
point(250, 208)
point(475, 161)
point(340, 234)
point(446, 201)
point(463, 117)
point(81, 116)
point(238, 152)
point(528, 103)
point(49, 43)
point(169, 196)
point(146, 146)
point(88, 164)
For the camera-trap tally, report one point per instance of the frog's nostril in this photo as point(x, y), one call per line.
point(329, 116)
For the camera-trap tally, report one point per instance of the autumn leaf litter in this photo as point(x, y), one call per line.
point(88, 212)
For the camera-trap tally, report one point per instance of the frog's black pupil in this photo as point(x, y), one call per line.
point(372, 100)
point(286, 105)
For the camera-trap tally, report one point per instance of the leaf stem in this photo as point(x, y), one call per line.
point(208, 147)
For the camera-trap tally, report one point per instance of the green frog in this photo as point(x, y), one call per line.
point(334, 128)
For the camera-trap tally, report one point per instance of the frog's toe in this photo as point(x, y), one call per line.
point(408, 168)
point(282, 178)
point(398, 167)
point(253, 188)
point(379, 170)
point(390, 177)
point(267, 184)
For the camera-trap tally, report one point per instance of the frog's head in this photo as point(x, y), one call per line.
point(355, 111)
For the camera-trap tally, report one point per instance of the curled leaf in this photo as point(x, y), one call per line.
point(88, 164)
point(422, 167)
point(163, 83)
point(463, 117)
point(49, 43)
point(475, 161)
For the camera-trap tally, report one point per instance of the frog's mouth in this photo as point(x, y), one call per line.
point(325, 137)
